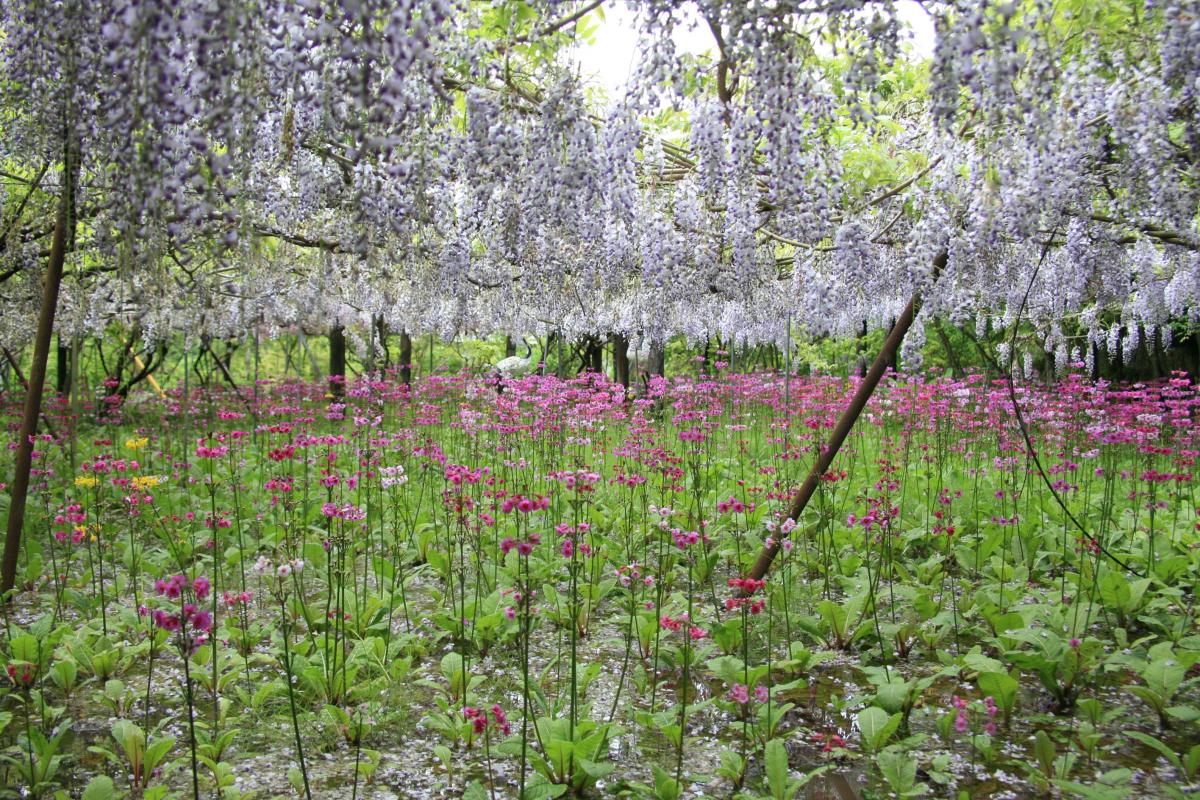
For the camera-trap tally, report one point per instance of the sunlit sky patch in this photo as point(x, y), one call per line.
point(610, 59)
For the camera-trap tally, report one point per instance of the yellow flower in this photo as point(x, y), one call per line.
point(85, 480)
point(136, 444)
point(143, 483)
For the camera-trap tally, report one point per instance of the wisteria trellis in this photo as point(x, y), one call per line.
point(282, 163)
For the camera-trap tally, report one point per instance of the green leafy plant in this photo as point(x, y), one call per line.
point(65, 675)
point(573, 759)
point(899, 769)
point(1122, 596)
point(39, 759)
point(139, 755)
point(1002, 688)
point(1064, 667)
point(1188, 762)
point(780, 783)
point(877, 727)
point(896, 695)
point(116, 697)
point(1163, 677)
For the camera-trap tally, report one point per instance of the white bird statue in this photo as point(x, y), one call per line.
point(512, 367)
point(639, 351)
point(639, 354)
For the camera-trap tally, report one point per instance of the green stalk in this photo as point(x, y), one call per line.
point(287, 668)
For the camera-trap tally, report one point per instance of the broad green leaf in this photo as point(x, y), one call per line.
point(776, 764)
point(1185, 713)
point(665, 786)
point(892, 697)
point(1002, 688)
point(976, 661)
point(1163, 676)
point(99, 788)
point(1043, 747)
point(877, 726)
point(540, 789)
point(899, 769)
point(1170, 755)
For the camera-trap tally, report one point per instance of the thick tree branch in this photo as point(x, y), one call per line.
point(1164, 235)
point(300, 240)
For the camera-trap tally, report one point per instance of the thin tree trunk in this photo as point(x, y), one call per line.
point(369, 364)
point(406, 357)
point(787, 366)
point(337, 360)
point(76, 349)
point(256, 383)
point(381, 328)
point(16, 366)
point(127, 348)
point(956, 368)
point(620, 346)
point(837, 438)
point(656, 363)
point(288, 345)
point(223, 368)
point(19, 492)
point(510, 347)
point(312, 357)
point(595, 355)
point(62, 383)
point(1156, 354)
point(145, 371)
point(895, 362)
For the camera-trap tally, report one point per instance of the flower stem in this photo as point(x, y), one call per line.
point(287, 668)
